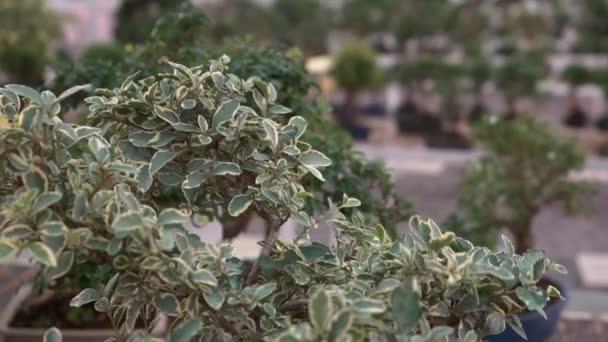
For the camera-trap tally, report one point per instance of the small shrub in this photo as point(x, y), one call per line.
point(525, 169)
point(74, 193)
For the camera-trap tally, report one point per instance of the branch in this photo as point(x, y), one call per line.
point(294, 305)
point(271, 239)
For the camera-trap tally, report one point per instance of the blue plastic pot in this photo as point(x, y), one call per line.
point(536, 326)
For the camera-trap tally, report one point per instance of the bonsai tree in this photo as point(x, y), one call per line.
point(479, 72)
point(517, 78)
point(577, 75)
point(136, 18)
point(28, 28)
point(525, 169)
point(79, 193)
point(367, 180)
point(354, 70)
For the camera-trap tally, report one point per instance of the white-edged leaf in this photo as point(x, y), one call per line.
point(167, 303)
point(320, 310)
point(272, 133)
point(225, 112)
point(84, 297)
point(160, 159)
point(226, 168)
point(42, 253)
point(279, 110)
point(314, 158)
point(238, 204)
point(7, 248)
point(45, 200)
point(52, 335)
point(204, 277)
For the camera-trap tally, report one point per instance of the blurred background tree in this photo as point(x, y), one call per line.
point(136, 18)
point(28, 31)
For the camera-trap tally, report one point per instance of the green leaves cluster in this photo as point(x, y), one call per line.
point(525, 169)
point(123, 191)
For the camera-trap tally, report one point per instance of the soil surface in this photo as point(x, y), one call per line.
point(43, 311)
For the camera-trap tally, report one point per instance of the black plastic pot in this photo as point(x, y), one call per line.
point(447, 140)
point(412, 120)
point(536, 326)
point(374, 110)
point(576, 119)
point(357, 132)
point(602, 123)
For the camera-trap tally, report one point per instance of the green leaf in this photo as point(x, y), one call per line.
point(45, 200)
point(534, 299)
point(272, 133)
point(193, 180)
point(215, 298)
point(300, 124)
point(35, 179)
point(84, 297)
point(340, 326)
point(264, 291)
point(160, 159)
point(172, 216)
point(515, 323)
point(166, 114)
point(25, 91)
point(238, 204)
point(80, 207)
point(202, 123)
point(226, 168)
point(186, 331)
point(349, 202)
point(495, 323)
point(167, 303)
point(52, 335)
point(100, 149)
point(279, 109)
point(17, 232)
point(320, 310)
point(73, 90)
point(406, 306)
point(314, 158)
point(42, 253)
point(126, 223)
point(7, 248)
point(225, 113)
point(204, 277)
point(186, 72)
point(188, 104)
point(64, 264)
point(369, 306)
point(144, 178)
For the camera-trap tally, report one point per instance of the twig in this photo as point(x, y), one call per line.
point(294, 305)
point(266, 250)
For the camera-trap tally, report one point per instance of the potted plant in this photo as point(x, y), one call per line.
point(479, 72)
point(354, 69)
point(411, 117)
point(367, 180)
point(89, 192)
point(517, 78)
point(577, 75)
point(525, 169)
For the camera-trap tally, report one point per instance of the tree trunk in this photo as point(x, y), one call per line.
point(350, 108)
point(236, 226)
point(524, 240)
